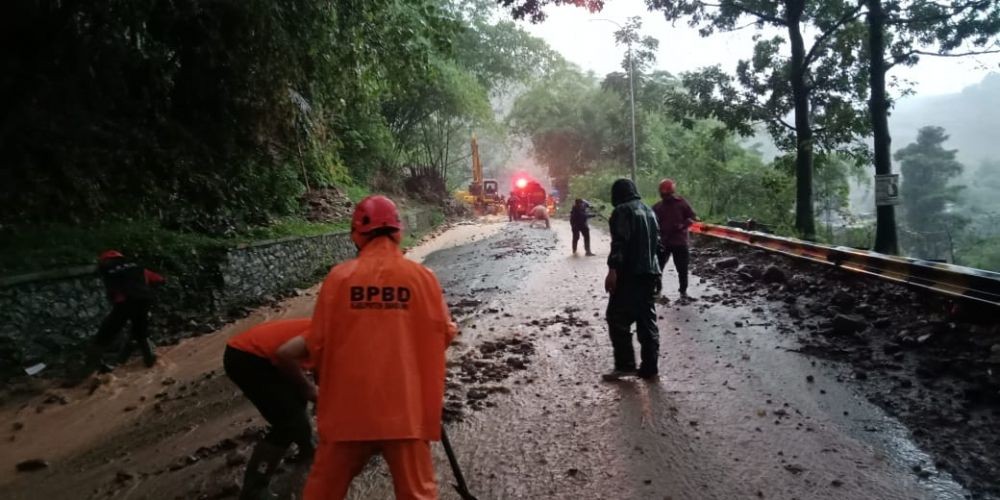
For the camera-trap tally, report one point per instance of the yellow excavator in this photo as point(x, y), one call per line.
point(483, 194)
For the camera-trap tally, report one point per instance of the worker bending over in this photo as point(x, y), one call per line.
point(249, 361)
point(379, 334)
point(540, 213)
point(129, 288)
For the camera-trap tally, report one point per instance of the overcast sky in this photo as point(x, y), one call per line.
point(576, 34)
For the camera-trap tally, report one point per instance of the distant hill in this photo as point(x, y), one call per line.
point(971, 117)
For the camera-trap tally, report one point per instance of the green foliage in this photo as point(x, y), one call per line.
point(979, 252)
point(57, 245)
point(926, 27)
point(572, 123)
point(831, 188)
point(42, 247)
point(291, 227)
point(717, 176)
point(216, 116)
point(818, 81)
point(144, 107)
point(579, 130)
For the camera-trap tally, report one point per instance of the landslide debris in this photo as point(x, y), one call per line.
point(931, 362)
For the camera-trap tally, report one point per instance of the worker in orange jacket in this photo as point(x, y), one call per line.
point(379, 335)
point(249, 361)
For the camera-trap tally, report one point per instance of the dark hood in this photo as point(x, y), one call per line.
point(623, 191)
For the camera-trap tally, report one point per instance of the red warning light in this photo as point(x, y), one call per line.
point(521, 183)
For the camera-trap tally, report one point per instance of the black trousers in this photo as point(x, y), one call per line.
point(681, 257)
point(634, 302)
point(136, 313)
point(577, 232)
point(279, 401)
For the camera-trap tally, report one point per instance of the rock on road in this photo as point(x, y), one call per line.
point(736, 413)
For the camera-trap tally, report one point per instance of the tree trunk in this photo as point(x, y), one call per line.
point(878, 106)
point(804, 220)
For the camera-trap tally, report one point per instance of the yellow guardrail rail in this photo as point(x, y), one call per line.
point(957, 281)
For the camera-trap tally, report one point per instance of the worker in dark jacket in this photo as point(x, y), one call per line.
point(633, 281)
point(675, 217)
point(512, 202)
point(579, 217)
point(129, 289)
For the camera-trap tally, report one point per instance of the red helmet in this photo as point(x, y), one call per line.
point(109, 254)
point(667, 186)
point(375, 212)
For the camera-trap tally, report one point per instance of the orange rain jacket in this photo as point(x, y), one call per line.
point(264, 339)
point(379, 334)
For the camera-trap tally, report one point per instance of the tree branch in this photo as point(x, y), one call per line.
point(848, 17)
point(954, 54)
point(896, 60)
point(955, 10)
point(745, 26)
point(746, 10)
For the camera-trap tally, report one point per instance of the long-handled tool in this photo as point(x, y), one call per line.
point(460, 488)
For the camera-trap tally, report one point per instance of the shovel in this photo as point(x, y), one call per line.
point(460, 488)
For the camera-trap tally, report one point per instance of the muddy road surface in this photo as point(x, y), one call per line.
point(738, 411)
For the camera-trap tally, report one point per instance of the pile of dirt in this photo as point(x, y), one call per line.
point(327, 205)
point(478, 374)
point(455, 209)
point(426, 185)
point(931, 362)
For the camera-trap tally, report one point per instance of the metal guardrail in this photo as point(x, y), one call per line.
point(956, 281)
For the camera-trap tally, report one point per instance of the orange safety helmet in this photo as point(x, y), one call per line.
point(109, 254)
point(667, 186)
point(375, 212)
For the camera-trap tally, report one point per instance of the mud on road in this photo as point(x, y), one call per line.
point(931, 362)
point(742, 409)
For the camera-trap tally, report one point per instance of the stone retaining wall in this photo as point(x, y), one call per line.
point(267, 268)
point(46, 316)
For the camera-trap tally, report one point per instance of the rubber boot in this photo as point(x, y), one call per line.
point(126, 352)
point(307, 449)
point(263, 462)
point(148, 356)
point(93, 360)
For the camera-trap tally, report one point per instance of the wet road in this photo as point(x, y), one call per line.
point(736, 414)
point(733, 416)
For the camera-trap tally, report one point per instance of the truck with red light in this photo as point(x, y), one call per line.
point(529, 194)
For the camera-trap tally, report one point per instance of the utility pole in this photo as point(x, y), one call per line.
point(631, 98)
point(631, 88)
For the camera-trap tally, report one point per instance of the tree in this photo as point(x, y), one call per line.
point(927, 169)
point(500, 53)
point(532, 9)
point(832, 188)
point(214, 116)
point(817, 83)
point(572, 123)
point(907, 30)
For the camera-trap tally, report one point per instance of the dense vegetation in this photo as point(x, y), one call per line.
point(128, 120)
point(578, 124)
point(820, 86)
point(216, 117)
point(818, 82)
point(213, 115)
